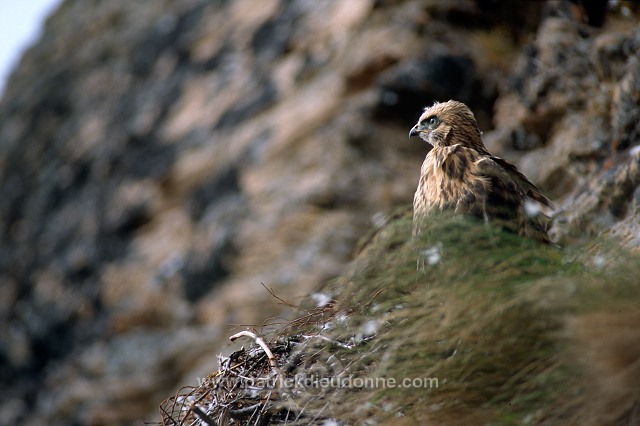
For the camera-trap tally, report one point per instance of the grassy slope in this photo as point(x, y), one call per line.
point(515, 332)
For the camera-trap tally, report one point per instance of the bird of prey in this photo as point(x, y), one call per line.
point(460, 175)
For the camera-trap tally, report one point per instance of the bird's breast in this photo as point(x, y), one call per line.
point(448, 182)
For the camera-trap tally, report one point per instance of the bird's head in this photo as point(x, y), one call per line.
point(448, 123)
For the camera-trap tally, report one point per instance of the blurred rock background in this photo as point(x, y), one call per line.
point(160, 160)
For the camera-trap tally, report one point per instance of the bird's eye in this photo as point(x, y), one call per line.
point(432, 122)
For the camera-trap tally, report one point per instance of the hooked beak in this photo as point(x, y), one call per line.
point(414, 131)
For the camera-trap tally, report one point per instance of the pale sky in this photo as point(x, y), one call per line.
point(20, 25)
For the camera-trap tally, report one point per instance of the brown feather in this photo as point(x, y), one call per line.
point(460, 175)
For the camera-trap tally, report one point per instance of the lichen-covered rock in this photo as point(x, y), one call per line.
point(568, 116)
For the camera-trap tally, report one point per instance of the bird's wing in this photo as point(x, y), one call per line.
point(521, 180)
point(505, 195)
point(507, 202)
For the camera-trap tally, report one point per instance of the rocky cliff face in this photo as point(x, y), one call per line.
point(162, 159)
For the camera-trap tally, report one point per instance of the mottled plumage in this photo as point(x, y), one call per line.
point(460, 175)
